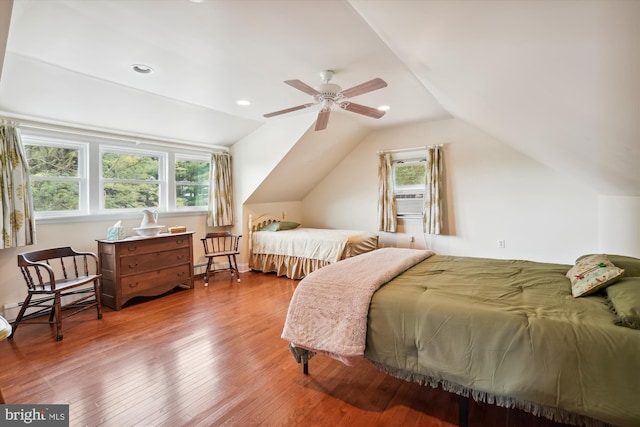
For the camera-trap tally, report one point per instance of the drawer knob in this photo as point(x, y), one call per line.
point(133, 285)
point(132, 266)
point(179, 257)
point(132, 248)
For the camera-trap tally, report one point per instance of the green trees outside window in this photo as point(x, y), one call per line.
point(409, 180)
point(409, 175)
point(71, 177)
point(192, 183)
point(55, 177)
point(130, 181)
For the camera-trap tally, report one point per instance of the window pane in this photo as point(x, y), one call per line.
point(192, 171)
point(55, 196)
point(52, 161)
point(127, 195)
point(128, 166)
point(410, 175)
point(192, 195)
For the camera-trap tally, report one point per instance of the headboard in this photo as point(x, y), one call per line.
point(261, 221)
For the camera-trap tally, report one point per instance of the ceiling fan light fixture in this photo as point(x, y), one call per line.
point(329, 94)
point(243, 102)
point(384, 108)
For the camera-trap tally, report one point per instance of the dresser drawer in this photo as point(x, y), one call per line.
point(149, 266)
point(140, 246)
point(151, 261)
point(159, 280)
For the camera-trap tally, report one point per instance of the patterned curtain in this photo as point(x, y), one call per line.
point(16, 210)
point(386, 196)
point(432, 212)
point(220, 191)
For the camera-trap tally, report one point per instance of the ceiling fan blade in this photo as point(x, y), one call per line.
point(322, 120)
point(302, 86)
point(365, 87)
point(288, 110)
point(362, 109)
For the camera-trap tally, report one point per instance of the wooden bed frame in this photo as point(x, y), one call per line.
point(261, 221)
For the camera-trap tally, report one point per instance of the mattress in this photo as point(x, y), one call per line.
point(296, 253)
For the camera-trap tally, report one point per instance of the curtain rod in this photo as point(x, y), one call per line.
point(76, 129)
point(400, 150)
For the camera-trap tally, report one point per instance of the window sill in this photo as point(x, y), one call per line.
point(116, 216)
point(409, 217)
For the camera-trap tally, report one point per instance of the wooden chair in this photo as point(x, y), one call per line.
point(53, 274)
point(221, 244)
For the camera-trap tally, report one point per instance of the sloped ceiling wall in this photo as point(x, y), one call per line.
point(314, 155)
point(557, 80)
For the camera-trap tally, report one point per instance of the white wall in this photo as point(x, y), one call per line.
point(254, 157)
point(619, 226)
point(82, 235)
point(493, 193)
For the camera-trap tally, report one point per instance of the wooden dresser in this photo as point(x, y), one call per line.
point(145, 266)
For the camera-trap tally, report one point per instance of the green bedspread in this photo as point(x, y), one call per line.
point(507, 332)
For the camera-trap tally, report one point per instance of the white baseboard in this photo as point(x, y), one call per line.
point(10, 311)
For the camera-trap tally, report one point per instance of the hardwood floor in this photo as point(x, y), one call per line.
point(213, 356)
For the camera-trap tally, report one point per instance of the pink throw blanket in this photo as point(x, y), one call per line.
point(329, 308)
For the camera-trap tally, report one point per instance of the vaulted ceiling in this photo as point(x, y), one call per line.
point(557, 80)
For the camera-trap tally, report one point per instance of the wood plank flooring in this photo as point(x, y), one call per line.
point(213, 356)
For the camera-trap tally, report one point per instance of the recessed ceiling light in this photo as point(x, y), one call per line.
point(384, 108)
point(142, 69)
point(243, 102)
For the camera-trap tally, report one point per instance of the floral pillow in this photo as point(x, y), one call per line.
point(592, 273)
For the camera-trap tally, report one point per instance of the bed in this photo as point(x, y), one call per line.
point(507, 332)
point(282, 246)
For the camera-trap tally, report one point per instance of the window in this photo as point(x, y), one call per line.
point(409, 186)
point(192, 181)
point(77, 174)
point(131, 178)
point(58, 176)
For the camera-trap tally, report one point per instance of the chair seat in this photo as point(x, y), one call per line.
point(223, 253)
point(221, 244)
point(68, 283)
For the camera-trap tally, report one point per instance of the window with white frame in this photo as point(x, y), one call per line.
point(77, 174)
point(59, 179)
point(131, 179)
point(409, 186)
point(191, 181)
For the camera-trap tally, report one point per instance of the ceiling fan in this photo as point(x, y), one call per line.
point(329, 94)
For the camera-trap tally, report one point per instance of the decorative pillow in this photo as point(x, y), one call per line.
point(624, 298)
point(280, 225)
point(592, 273)
point(630, 265)
point(288, 225)
point(273, 226)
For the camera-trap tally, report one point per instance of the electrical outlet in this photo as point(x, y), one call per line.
point(502, 244)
